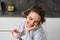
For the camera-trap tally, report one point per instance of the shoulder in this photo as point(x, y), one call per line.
point(38, 31)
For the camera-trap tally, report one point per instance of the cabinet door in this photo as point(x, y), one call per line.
point(53, 28)
point(6, 25)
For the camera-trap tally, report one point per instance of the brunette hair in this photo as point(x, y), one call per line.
point(38, 9)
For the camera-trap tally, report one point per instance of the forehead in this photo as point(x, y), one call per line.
point(34, 15)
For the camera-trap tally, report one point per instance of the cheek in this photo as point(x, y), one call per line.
point(28, 22)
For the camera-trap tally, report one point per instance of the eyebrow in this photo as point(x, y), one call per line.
point(33, 18)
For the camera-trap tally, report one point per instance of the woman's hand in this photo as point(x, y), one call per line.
point(31, 28)
point(16, 33)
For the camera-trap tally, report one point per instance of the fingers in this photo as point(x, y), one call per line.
point(35, 27)
point(16, 31)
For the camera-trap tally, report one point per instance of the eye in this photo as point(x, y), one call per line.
point(30, 18)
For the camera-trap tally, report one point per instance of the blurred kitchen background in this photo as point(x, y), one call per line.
point(16, 7)
point(11, 14)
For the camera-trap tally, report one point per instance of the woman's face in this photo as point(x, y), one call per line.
point(32, 19)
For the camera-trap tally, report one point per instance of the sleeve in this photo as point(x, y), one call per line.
point(21, 27)
point(27, 37)
point(36, 36)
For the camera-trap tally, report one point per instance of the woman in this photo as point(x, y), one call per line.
point(31, 29)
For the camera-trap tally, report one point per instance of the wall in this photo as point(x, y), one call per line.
point(6, 25)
